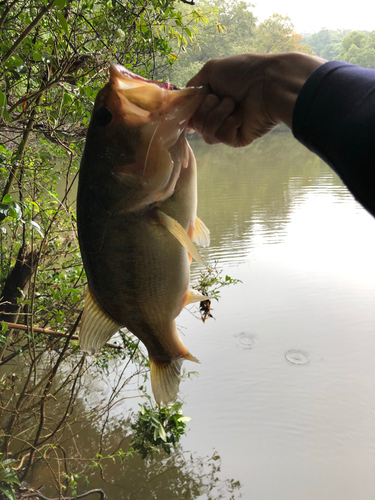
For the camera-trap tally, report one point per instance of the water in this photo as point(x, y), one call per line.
point(287, 382)
point(286, 386)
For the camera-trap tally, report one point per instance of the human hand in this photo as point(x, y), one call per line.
point(251, 94)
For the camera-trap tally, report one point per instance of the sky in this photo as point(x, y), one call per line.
point(312, 16)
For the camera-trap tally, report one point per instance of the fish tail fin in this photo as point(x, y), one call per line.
point(96, 326)
point(165, 378)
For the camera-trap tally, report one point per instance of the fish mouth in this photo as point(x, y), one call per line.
point(118, 71)
point(156, 101)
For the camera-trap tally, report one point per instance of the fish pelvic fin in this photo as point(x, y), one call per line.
point(96, 326)
point(165, 378)
point(180, 234)
point(193, 296)
point(201, 233)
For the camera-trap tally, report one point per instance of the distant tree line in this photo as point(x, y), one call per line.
point(232, 28)
point(356, 47)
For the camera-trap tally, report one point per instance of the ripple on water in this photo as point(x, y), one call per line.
point(246, 340)
point(296, 357)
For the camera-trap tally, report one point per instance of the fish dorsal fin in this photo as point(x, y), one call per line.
point(194, 296)
point(165, 379)
point(201, 233)
point(179, 232)
point(97, 327)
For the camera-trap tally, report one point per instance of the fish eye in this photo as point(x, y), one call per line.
point(103, 116)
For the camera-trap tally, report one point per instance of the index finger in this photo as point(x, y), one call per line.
point(202, 77)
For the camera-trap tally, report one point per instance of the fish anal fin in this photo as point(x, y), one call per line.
point(201, 233)
point(96, 326)
point(180, 234)
point(165, 378)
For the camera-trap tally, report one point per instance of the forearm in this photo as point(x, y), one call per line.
point(334, 117)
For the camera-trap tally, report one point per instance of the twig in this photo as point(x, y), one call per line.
point(53, 333)
point(37, 494)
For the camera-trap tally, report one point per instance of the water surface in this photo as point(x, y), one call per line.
point(292, 410)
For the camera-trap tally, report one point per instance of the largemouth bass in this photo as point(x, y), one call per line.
point(136, 209)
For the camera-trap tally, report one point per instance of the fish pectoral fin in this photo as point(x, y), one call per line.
point(194, 296)
point(96, 327)
point(201, 233)
point(180, 234)
point(165, 379)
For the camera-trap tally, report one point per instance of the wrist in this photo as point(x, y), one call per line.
point(285, 76)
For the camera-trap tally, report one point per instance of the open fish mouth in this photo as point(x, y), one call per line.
point(116, 71)
point(160, 99)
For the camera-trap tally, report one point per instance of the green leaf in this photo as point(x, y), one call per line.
point(3, 100)
point(15, 61)
point(37, 228)
point(63, 22)
point(37, 57)
point(7, 198)
point(162, 433)
point(15, 211)
point(155, 421)
point(184, 419)
point(8, 491)
point(6, 115)
point(60, 4)
point(156, 433)
point(120, 33)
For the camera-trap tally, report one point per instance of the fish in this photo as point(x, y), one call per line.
point(137, 220)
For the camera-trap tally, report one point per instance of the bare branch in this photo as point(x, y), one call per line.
point(53, 333)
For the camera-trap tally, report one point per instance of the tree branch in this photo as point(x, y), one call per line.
point(52, 333)
point(37, 494)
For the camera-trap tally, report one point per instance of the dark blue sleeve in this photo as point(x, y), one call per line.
point(334, 116)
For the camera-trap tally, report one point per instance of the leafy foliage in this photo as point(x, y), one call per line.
point(209, 283)
point(326, 43)
point(157, 428)
point(358, 48)
point(276, 35)
point(8, 478)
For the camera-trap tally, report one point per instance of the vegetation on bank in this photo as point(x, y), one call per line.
point(54, 58)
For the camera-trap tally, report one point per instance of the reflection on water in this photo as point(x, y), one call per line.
point(249, 196)
point(292, 416)
point(181, 475)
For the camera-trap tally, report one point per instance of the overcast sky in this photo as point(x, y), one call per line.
point(312, 16)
